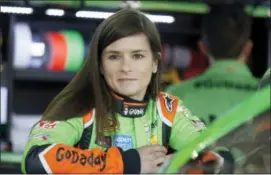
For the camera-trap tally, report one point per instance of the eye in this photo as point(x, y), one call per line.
point(138, 56)
point(113, 57)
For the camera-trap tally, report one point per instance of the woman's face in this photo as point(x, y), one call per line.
point(127, 66)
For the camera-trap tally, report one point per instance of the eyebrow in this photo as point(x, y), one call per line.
point(135, 51)
point(117, 52)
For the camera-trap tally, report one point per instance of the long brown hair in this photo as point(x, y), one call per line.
point(88, 89)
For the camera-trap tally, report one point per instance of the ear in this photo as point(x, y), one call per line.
point(246, 51)
point(202, 47)
point(155, 63)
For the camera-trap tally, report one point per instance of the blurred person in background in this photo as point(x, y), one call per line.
point(226, 41)
point(112, 117)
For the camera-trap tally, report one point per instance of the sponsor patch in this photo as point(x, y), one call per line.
point(185, 111)
point(168, 102)
point(39, 137)
point(133, 111)
point(47, 124)
point(197, 123)
point(154, 124)
point(154, 140)
point(104, 141)
point(65, 155)
point(123, 141)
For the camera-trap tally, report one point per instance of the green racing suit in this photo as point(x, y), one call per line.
point(65, 146)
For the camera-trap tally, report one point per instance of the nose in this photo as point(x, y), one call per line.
point(126, 65)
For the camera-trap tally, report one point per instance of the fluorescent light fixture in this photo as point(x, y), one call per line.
point(17, 10)
point(37, 49)
point(104, 15)
point(161, 18)
point(133, 4)
point(54, 12)
point(93, 14)
point(4, 105)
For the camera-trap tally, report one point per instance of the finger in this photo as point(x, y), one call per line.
point(167, 159)
point(155, 169)
point(158, 148)
point(154, 155)
point(158, 161)
point(158, 154)
point(169, 156)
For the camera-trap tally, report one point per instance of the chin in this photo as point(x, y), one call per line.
point(127, 93)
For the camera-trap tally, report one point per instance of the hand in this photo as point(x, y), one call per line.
point(151, 156)
point(163, 167)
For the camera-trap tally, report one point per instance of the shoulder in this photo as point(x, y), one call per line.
point(172, 88)
point(168, 98)
point(176, 88)
point(88, 118)
point(167, 105)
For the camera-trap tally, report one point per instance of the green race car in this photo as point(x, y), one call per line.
point(244, 131)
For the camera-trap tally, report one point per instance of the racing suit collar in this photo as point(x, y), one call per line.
point(128, 107)
point(229, 66)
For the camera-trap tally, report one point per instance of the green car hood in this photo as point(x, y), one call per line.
point(244, 112)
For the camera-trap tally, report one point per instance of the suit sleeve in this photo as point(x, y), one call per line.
point(185, 127)
point(50, 149)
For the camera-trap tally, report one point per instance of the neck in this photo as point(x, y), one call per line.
point(130, 98)
point(136, 97)
point(212, 60)
point(242, 60)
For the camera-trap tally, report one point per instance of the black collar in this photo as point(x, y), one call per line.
point(128, 107)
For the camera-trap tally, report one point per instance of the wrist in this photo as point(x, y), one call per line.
point(131, 162)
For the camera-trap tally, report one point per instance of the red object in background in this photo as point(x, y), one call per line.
point(199, 63)
point(6, 146)
point(59, 51)
point(9, 146)
point(166, 53)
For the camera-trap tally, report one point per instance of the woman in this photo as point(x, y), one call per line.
point(114, 101)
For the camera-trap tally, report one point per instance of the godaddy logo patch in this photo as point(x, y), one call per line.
point(133, 111)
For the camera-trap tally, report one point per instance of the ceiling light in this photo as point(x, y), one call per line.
point(104, 15)
point(17, 10)
point(161, 18)
point(54, 12)
point(93, 14)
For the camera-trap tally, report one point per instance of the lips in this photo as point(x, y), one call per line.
point(126, 79)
